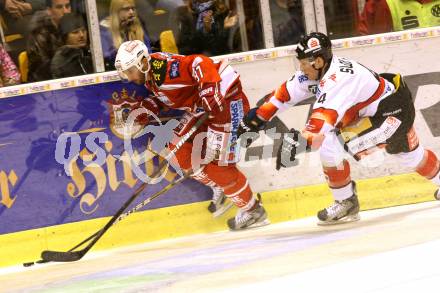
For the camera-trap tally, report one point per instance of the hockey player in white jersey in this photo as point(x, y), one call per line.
point(356, 111)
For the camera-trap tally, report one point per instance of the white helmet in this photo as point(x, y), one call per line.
point(131, 54)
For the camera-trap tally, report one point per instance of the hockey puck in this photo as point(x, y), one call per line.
point(28, 264)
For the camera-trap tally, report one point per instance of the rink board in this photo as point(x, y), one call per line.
point(170, 222)
point(41, 207)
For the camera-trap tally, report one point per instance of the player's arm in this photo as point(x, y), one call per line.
point(205, 73)
point(288, 94)
point(294, 142)
point(321, 121)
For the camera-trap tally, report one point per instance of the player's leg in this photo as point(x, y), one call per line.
point(218, 204)
point(236, 188)
point(337, 172)
point(225, 175)
point(405, 143)
point(423, 161)
point(223, 154)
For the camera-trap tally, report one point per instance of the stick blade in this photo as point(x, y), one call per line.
point(61, 256)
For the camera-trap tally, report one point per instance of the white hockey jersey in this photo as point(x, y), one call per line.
point(347, 91)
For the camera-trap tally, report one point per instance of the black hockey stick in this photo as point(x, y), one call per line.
point(68, 256)
point(124, 215)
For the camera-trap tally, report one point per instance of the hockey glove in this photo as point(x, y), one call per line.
point(288, 149)
point(211, 97)
point(250, 126)
point(149, 107)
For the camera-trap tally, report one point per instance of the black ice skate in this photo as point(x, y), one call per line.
point(340, 212)
point(218, 205)
point(249, 219)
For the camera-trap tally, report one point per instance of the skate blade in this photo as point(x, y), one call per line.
point(222, 210)
point(345, 220)
point(253, 226)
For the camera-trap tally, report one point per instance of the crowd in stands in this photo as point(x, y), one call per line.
point(47, 39)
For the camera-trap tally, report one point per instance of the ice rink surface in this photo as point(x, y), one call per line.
point(389, 250)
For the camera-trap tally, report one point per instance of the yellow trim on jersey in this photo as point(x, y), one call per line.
point(396, 81)
point(182, 220)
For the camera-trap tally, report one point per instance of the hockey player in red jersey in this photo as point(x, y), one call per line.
point(197, 84)
point(356, 111)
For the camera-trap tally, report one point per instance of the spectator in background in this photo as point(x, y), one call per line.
point(73, 58)
point(205, 27)
point(44, 38)
point(9, 74)
point(16, 15)
point(380, 16)
point(121, 25)
point(287, 21)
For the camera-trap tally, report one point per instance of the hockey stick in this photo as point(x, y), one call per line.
point(68, 256)
point(124, 215)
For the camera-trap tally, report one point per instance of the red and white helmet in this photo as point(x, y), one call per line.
point(130, 54)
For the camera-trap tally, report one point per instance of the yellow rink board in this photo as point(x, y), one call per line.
point(182, 220)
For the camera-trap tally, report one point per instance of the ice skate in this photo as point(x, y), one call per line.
point(249, 219)
point(340, 212)
point(219, 205)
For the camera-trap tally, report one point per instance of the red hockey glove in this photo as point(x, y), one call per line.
point(144, 116)
point(211, 97)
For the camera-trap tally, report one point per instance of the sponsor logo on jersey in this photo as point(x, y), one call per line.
point(413, 140)
point(236, 116)
point(174, 70)
point(318, 91)
point(392, 113)
point(313, 88)
point(157, 64)
point(206, 92)
point(375, 137)
point(159, 70)
point(302, 78)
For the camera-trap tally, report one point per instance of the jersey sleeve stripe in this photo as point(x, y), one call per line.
point(267, 111)
point(318, 119)
point(282, 94)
